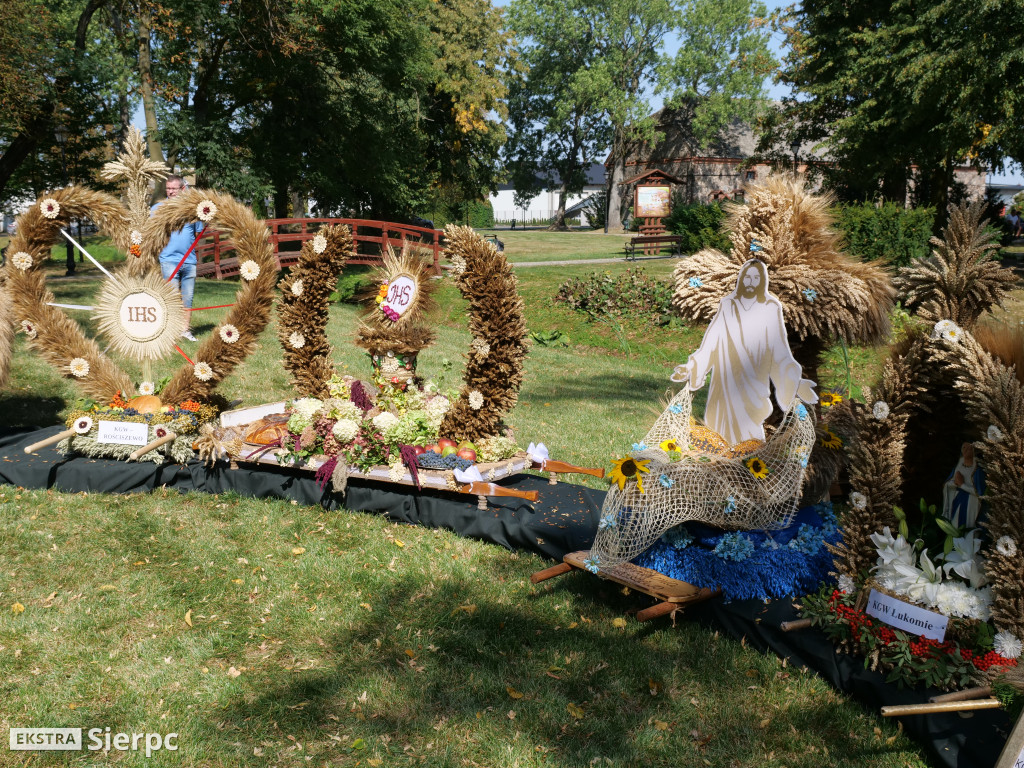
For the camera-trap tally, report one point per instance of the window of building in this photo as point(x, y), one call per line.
point(751, 175)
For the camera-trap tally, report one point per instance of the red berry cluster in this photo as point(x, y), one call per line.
point(921, 647)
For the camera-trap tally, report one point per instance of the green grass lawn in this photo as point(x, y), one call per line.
point(271, 634)
point(541, 245)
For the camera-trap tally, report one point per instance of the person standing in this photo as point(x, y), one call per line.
point(176, 247)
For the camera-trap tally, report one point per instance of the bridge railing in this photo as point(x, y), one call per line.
point(217, 257)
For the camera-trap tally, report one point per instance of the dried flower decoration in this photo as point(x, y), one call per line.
point(50, 208)
point(206, 210)
point(249, 270)
point(297, 340)
point(79, 367)
point(21, 260)
point(319, 243)
point(203, 371)
point(228, 334)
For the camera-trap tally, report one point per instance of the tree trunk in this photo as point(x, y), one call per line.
point(559, 223)
point(144, 43)
point(282, 197)
point(616, 201)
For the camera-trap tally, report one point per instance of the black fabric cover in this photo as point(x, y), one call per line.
point(951, 739)
point(564, 518)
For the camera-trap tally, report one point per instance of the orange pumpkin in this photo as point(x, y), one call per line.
point(146, 404)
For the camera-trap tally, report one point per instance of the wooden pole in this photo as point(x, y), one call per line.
point(134, 455)
point(965, 695)
point(790, 626)
point(946, 706)
point(49, 441)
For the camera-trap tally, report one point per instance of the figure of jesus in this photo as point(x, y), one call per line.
point(746, 350)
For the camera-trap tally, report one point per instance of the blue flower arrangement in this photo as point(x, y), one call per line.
point(759, 565)
point(810, 294)
point(695, 282)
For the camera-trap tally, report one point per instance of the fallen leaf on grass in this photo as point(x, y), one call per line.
point(399, 543)
point(188, 617)
point(660, 725)
point(575, 711)
point(51, 597)
point(654, 686)
point(367, 606)
point(298, 550)
point(232, 672)
point(108, 588)
point(764, 723)
point(513, 693)
point(619, 622)
point(374, 762)
point(359, 744)
point(17, 608)
point(469, 608)
point(410, 653)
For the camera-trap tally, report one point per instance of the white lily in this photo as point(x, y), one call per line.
point(965, 561)
point(892, 550)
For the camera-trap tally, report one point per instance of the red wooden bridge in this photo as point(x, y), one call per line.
point(217, 257)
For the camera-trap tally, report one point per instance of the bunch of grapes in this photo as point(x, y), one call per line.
point(431, 460)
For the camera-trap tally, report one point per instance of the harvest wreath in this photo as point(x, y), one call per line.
point(399, 428)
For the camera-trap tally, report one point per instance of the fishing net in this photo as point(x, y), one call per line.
point(751, 485)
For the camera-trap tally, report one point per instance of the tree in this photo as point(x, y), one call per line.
point(900, 93)
point(557, 126)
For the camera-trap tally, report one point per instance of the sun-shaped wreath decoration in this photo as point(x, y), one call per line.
point(139, 314)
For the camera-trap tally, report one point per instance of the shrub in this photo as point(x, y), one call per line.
point(887, 232)
point(353, 284)
point(596, 207)
point(700, 225)
point(633, 292)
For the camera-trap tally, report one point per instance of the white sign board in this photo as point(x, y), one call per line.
point(401, 294)
point(124, 432)
point(906, 616)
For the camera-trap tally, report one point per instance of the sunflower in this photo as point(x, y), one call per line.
point(670, 446)
point(629, 468)
point(828, 399)
point(831, 440)
point(756, 466)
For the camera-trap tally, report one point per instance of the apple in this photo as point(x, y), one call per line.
point(434, 448)
point(448, 450)
point(467, 453)
point(467, 444)
point(419, 449)
point(445, 442)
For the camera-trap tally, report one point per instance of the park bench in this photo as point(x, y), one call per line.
point(653, 244)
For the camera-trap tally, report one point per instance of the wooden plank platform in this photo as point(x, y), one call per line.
point(670, 593)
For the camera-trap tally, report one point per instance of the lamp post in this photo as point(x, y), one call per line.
point(60, 132)
point(794, 146)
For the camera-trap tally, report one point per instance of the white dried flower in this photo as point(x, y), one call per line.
point(319, 244)
point(858, 500)
point(476, 400)
point(846, 584)
point(135, 237)
point(307, 407)
point(396, 472)
point(383, 421)
point(1006, 645)
point(994, 433)
point(83, 424)
point(22, 260)
point(147, 388)
point(250, 270)
point(941, 327)
point(1006, 546)
point(297, 288)
point(481, 347)
point(297, 340)
point(50, 208)
point(159, 430)
point(880, 410)
point(79, 367)
point(228, 333)
point(953, 333)
point(28, 329)
point(203, 371)
point(206, 210)
point(458, 264)
point(345, 430)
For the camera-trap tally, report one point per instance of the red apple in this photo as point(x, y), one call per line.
point(433, 448)
point(419, 449)
point(467, 453)
point(444, 442)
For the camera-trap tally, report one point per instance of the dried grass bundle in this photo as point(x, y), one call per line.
point(58, 339)
point(959, 281)
point(494, 370)
point(136, 169)
point(251, 312)
point(303, 309)
point(6, 332)
point(409, 334)
point(994, 396)
point(825, 294)
point(875, 459)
